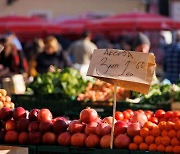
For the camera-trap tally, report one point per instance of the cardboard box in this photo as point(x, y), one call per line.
point(13, 150)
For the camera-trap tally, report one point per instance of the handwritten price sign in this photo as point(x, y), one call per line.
point(131, 70)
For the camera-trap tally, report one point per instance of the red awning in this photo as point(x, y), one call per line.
point(133, 22)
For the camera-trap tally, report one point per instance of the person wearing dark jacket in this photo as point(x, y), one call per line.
point(53, 55)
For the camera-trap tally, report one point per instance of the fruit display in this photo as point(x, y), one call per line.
point(68, 82)
point(133, 130)
point(102, 91)
point(5, 100)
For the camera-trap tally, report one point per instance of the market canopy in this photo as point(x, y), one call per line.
point(133, 22)
point(27, 25)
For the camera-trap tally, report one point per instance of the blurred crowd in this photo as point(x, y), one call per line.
point(44, 54)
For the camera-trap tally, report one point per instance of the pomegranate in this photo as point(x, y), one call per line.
point(92, 141)
point(90, 128)
point(45, 126)
point(102, 129)
point(44, 115)
point(78, 139)
point(60, 126)
point(133, 129)
point(19, 113)
point(120, 127)
point(122, 141)
point(139, 117)
point(22, 125)
point(33, 114)
point(88, 115)
point(109, 120)
point(105, 141)
point(64, 139)
point(76, 126)
point(6, 113)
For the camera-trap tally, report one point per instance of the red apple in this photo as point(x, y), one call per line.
point(44, 115)
point(10, 125)
point(90, 128)
point(105, 141)
point(33, 114)
point(11, 136)
point(122, 141)
point(102, 129)
point(34, 137)
point(23, 138)
point(33, 126)
point(120, 127)
point(59, 126)
point(76, 126)
point(6, 113)
point(19, 113)
point(92, 141)
point(49, 138)
point(22, 125)
point(45, 126)
point(64, 139)
point(78, 139)
point(133, 129)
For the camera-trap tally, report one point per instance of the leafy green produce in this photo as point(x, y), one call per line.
point(68, 82)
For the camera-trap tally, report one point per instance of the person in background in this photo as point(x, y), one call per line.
point(81, 51)
point(12, 38)
point(53, 55)
point(13, 59)
point(172, 61)
point(141, 43)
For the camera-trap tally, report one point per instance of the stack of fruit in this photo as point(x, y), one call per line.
point(5, 101)
point(102, 91)
point(132, 129)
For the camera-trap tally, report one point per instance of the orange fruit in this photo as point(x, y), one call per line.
point(162, 125)
point(138, 139)
point(172, 133)
point(149, 125)
point(158, 140)
point(3, 92)
point(149, 139)
point(144, 132)
point(166, 140)
point(164, 133)
point(8, 99)
point(169, 125)
point(175, 142)
point(155, 132)
point(160, 148)
point(152, 147)
point(169, 149)
point(176, 149)
point(178, 134)
point(143, 146)
point(133, 146)
point(177, 125)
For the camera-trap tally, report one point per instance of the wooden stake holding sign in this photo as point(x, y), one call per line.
point(130, 70)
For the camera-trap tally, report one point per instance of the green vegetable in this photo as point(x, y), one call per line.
point(68, 83)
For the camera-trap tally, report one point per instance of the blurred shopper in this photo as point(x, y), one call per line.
point(52, 55)
point(82, 50)
point(13, 59)
point(141, 43)
point(12, 38)
point(172, 61)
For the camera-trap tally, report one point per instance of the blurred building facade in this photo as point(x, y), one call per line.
point(56, 8)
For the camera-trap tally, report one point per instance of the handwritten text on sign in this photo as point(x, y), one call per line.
point(121, 65)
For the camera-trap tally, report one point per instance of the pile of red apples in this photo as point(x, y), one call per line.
point(38, 127)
